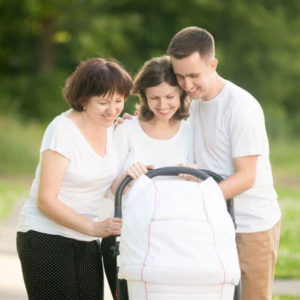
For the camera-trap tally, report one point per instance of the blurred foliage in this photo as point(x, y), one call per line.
point(41, 42)
point(19, 149)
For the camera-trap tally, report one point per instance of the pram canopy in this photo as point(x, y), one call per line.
point(177, 232)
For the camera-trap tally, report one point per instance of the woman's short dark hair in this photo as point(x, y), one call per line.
point(154, 72)
point(189, 40)
point(95, 77)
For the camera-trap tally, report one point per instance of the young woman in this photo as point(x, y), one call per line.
point(58, 229)
point(159, 136)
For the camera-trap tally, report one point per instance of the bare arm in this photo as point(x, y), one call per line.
point(243, 177)
point(53, 166)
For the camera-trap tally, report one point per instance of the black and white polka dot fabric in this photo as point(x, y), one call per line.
point(59, 268)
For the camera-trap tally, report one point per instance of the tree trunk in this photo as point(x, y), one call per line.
point(46, 60)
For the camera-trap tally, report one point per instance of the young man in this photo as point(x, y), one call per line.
point(230, 139)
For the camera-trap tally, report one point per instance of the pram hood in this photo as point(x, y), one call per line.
point(177, 232)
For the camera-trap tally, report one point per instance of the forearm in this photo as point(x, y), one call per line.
point(236, 184)
point(65, 216)
point(117, 182)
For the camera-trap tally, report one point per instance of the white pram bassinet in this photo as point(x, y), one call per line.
point(178, 241)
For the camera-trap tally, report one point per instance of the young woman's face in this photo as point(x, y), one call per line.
point(104, 109)
point(163, 100)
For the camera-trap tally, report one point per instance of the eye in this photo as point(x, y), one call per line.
point(170, 97)
point(194, 75)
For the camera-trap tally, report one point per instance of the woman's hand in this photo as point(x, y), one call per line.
point(137, 169)
point(107, 227)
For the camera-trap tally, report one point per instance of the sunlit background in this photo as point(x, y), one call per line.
point(257, 45)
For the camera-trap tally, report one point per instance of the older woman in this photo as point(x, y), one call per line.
point(58, 229)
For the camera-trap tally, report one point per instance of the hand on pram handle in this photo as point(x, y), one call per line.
point(188, 176)
point(137, 169)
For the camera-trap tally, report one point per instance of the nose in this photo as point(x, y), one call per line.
point(187, 83)
point(162, 103)
point(111, 109)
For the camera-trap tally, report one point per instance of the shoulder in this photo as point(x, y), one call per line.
point(187, 127)
point(60, 136)
point(241, 100)
point(60, 123)
point(127, 126)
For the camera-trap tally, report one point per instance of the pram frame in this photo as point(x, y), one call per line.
point(165, 171)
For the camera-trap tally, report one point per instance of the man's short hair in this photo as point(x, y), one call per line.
point(190, 40)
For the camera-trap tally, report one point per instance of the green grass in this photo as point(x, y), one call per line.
point(9, 192)
point(288, 262)
point(20, 143)
point(285, 297)
point(285, 160)
point(19, 153)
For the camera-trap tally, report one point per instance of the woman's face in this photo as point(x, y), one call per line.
point(163, 100)
point(103, 110)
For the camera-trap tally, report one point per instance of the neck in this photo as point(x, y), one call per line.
point(86, 124)
point(159, 129)
point(162, 123)
point(216, 87)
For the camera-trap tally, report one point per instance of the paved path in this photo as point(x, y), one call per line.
point(11, 280)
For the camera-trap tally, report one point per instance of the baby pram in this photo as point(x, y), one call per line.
point(149, 283)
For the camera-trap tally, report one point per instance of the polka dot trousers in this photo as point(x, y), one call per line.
point(59, 268)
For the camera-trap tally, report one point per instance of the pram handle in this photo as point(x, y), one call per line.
point(171, 171)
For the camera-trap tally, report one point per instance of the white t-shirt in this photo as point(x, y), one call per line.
point(87, 178)
point(232, 125)
point(135, 145)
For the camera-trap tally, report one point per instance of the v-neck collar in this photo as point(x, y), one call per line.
point(85, 140)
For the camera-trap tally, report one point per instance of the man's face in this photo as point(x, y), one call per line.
point(195, 74)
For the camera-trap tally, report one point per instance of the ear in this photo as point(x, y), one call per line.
point(83, 103)
point(213, 64)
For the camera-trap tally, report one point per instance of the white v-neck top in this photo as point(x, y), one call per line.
point(87, 178)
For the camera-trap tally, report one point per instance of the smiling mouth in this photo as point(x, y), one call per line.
point(109, 118)
point(192, 91)
point(164, 112)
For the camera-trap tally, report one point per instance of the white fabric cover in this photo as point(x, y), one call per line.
point(177, 232)
point(139, 290)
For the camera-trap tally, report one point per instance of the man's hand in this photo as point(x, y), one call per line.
point(188, 176)
point(126, 116)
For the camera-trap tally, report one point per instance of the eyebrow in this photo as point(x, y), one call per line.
point(190, 74)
